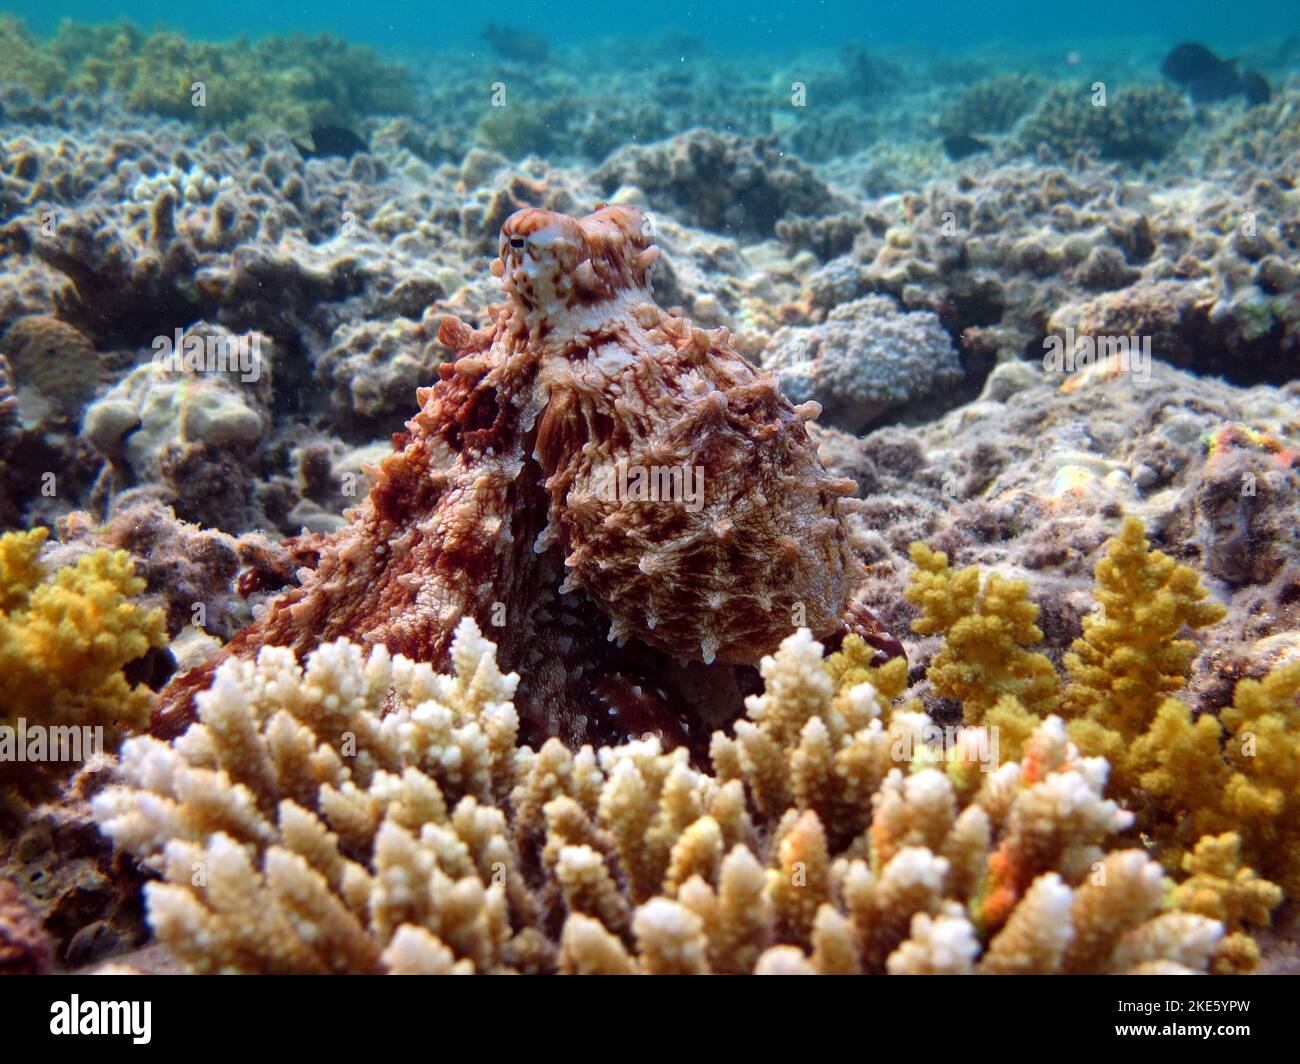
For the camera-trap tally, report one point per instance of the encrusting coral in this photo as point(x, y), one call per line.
point(64, 640)
point(55, 362)
point(363, 813)
point(621, 495)
point(864, 359)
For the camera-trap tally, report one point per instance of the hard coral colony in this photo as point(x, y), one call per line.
point(741, 589)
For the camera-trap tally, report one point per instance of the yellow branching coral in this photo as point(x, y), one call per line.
point(853, 664)
point(1239, 773)
point(1263, 793)
point(360, 813)
point(1185, 777)
point(65, 638)
point(1130, 657)
point(1220, 888)
point(986, 628)
point(20, 566)
point(1224, 786)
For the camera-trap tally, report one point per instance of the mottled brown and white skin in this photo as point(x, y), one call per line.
point(512, 498)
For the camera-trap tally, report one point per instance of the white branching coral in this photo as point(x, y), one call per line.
point(363, 814)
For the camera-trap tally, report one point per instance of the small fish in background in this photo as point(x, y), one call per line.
point(1210, 79)
point(961, 145)
point(332, 140)
point(509, 42)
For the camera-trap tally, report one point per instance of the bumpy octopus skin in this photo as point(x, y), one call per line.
point(506, 500)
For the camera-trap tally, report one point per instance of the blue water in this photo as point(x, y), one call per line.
point(772, 25)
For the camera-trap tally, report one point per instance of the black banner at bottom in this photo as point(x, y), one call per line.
point(141, 1014)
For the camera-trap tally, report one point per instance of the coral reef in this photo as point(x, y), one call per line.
point(288, 82)
point(1014, 255)
point(374, 368)
point(70, 643)
point(84, 896)
point(191, 420)
point(1138, 124)
point(1112, 294)
point(989, 106)
point(191, 573)
point(365, 814)
point(126, 233)
point(1229, 774)
point(720, 182)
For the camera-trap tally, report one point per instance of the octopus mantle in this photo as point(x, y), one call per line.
point(625, 504)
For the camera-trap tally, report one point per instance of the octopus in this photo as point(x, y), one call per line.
point(629, 508)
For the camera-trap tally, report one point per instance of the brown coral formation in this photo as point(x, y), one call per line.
point(510, 500)
point(84, 895)
point(55, 361)
point(24, 949)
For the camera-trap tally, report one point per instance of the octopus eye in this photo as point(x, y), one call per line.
point(516, 242)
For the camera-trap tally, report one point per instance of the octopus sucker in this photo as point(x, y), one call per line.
point(618, 498)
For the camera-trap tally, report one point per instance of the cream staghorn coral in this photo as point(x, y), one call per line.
point(363, 813)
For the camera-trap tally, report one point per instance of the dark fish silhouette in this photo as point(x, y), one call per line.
point(960, 145)
point(512, 43)
point(1210, 79)
point(1256, 88)
point(332, 140)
